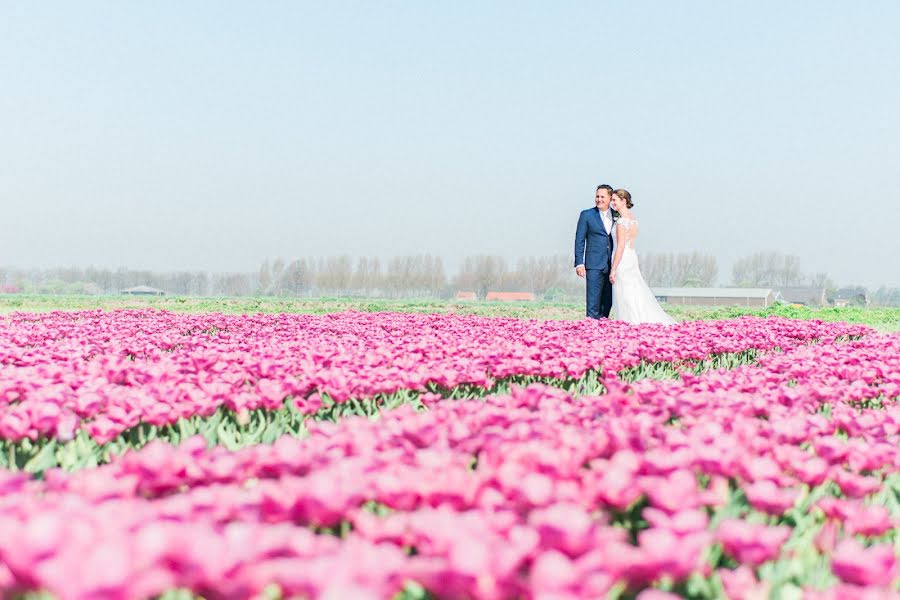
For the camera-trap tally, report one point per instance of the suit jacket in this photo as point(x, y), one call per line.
point(593, 246)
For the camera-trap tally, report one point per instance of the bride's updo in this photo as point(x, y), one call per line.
point(626, 196)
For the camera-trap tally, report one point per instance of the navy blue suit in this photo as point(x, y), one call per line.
point(593, 249)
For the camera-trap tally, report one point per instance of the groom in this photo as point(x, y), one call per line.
point(593, 252)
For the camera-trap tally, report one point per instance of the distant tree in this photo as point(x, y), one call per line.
point(278, 268)
point(437, 278)
point(265, 278)
point(694, 269)
point(549, 271)
point(403, 276)
point(515, 279)
point(234, 284)
point(309, 268)
point(658, 269)
point(278, 285)
point(360, 282)
point(66, 274)
point(417, 281)
point(481, 274)
point(52, 286)
point(415, 275)
point(335, 274)
point(886, 296)
point(375, 279)
point(822, 280)
point(182, 283)
point(697, 269)
point(102, 278)
point(538, 274)
point(767, 269)
point(295, 278)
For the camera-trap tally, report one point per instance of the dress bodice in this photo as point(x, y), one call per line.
point(629, 231)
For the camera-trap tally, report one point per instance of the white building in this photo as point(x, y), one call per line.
point(753, 297)
point(143, 290)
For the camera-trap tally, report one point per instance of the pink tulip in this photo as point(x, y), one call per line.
point(672, 555)
point(855, 564)
point(674, 493)
point(565, 527)
point(512, 495)
point(553, 572)
point(14, 426)
point(872, 520)
point(651, 594)
point(853, 485)
point(749, 543)
point(681, 523)
point(826, 539)
point(126, 367)
point(742, 584)
point(768, 497)
point(812, 472)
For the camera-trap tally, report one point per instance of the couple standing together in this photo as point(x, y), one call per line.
point(605, 257)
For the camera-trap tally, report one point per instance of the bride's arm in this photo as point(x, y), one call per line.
point(620, 247)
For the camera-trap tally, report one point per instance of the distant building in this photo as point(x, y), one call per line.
point(510, 297)
point(466, 296)
point(807, 296)
point(143, 290)
point(752, 297)
point(851, 297)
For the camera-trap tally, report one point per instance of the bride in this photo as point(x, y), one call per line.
point(633, 301)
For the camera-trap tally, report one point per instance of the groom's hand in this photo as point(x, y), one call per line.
point(579, 270)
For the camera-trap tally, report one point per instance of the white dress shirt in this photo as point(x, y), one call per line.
point(607, 220)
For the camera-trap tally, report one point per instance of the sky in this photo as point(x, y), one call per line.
point(213, 135)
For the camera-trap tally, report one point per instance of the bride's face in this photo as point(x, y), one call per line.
point(616, 203)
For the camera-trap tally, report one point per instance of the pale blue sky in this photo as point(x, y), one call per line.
point(210, 135)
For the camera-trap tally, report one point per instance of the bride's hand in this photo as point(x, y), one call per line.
point(612, 277)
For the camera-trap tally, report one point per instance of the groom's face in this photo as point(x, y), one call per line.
point(602, 199)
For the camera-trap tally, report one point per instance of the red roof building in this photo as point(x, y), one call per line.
point(510, 297)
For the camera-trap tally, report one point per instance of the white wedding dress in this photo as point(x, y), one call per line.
point(633, 301)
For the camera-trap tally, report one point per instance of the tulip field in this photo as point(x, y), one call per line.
point(153, 454)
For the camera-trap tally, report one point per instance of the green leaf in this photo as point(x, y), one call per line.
point(43, 460)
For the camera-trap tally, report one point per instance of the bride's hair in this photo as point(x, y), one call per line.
point(626, 196)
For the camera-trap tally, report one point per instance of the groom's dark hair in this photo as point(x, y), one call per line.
point(606, 186)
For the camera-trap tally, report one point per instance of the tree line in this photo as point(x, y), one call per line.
point(775, 270)
point(413, 276)
point(418, 276)
point(409, 276)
